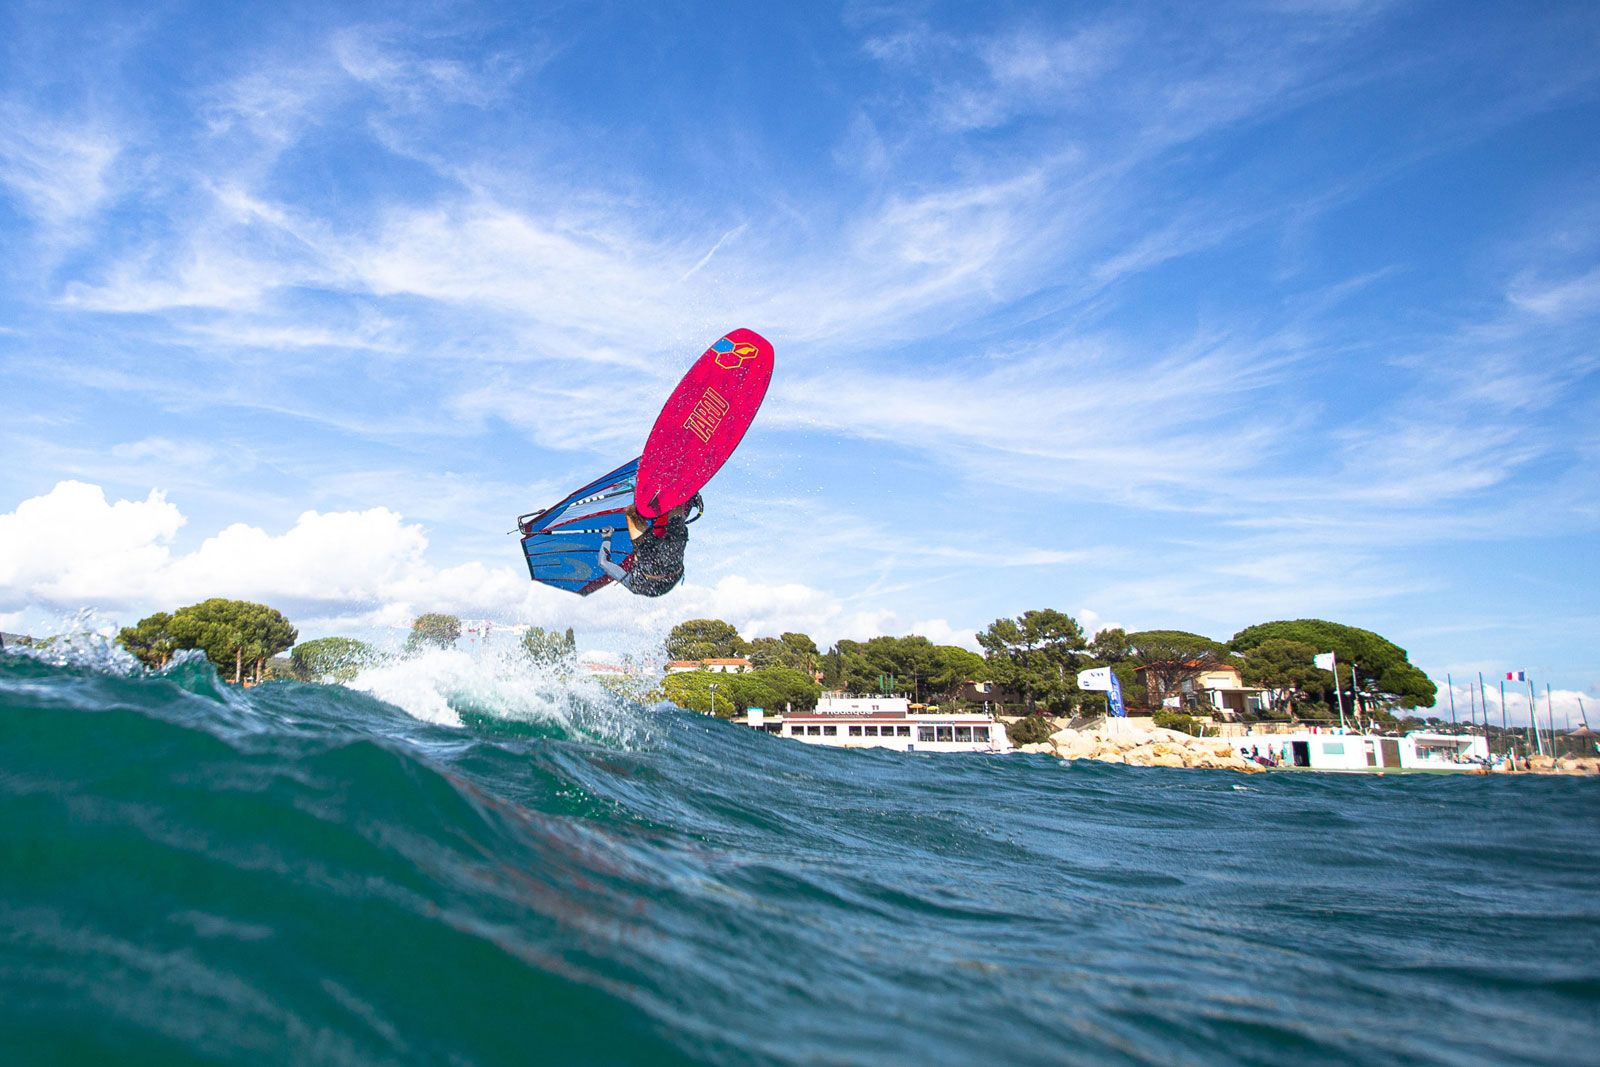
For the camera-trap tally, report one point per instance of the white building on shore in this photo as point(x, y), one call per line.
point(884, 722)
point(733, 665)
point(1336, 750)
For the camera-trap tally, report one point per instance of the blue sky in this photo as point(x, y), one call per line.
point(1185, 317)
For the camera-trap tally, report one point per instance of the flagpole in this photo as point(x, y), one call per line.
point(1550, 708)
point(1483, 695)
point(1528, 733)
point(1451, 685)
point(1533, 715)
point(1472, 707)
point(1356, 696)
point(1505, 730)
point(1338, 693)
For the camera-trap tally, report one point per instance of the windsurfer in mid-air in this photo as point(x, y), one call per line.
point(657, 550)
point(631, 524)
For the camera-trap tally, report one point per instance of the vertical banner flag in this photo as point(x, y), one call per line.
point(1104, 680)
point(1323, 661)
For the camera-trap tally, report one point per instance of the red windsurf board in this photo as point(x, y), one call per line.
point(703, 422)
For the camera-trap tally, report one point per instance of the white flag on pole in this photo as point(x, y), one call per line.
point(1096, 679)
point(1323, 660)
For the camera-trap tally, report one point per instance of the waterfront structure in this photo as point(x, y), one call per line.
point(735, 665)
point(1336, 750)
point(884, 722)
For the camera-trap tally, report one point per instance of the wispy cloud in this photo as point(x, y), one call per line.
point(58, 169)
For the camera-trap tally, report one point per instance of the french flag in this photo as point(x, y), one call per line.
point(1516, 676)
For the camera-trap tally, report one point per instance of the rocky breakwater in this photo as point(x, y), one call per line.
point(1565, 765)
point(1151, 748)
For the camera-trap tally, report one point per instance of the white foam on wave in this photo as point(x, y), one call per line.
point(81, 639)
point(436, 685)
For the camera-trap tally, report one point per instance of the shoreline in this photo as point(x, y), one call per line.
point(1157, 746)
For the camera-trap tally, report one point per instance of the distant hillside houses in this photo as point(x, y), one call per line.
point(735, 665)
point(1220, 689)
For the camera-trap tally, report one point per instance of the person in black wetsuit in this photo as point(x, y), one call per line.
point(657, 561)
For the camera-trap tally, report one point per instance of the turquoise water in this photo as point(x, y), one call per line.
point(190, 873)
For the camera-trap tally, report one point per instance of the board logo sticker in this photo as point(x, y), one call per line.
point(731, 356)
point(707, 414)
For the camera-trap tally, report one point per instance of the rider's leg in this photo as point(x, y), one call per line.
point(612, 570)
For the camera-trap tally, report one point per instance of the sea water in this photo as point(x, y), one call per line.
point(457, 863)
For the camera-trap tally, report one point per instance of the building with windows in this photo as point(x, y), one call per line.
point(737, 665)
point(1337, 750)
point(1216, 689)
point(884, 722)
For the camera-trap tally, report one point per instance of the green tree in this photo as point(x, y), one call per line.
point(765, 652)
point(232, 632)
point(789, 687)
point(266, 633)
point(547, 647)
point(151, 640)
point(846, 668)
point(793, 650)
point(954, 665)
point(1111, 645)
point(698, 639)
point(1174, 720)
point(1171, 658)
point(903, 663)
point(434, 629)
point(1039, 653)
point(325, 659)
point(1284, 669)
point(1030, 730)
point(882, 665)
point(693, 691)
point(803, 654)
point(750, 690)
point(1385, 675)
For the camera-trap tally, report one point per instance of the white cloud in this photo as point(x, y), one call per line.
point(164, 452)
point(1566, 705)
point(1092, 623)
point(1568, 298)
point(56, 168)
point(72, 548)
point(376, 58)
point(940, 632)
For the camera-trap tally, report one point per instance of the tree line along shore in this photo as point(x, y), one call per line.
point(1027, 669)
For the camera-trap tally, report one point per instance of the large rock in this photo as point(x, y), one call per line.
point(1146, 748)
